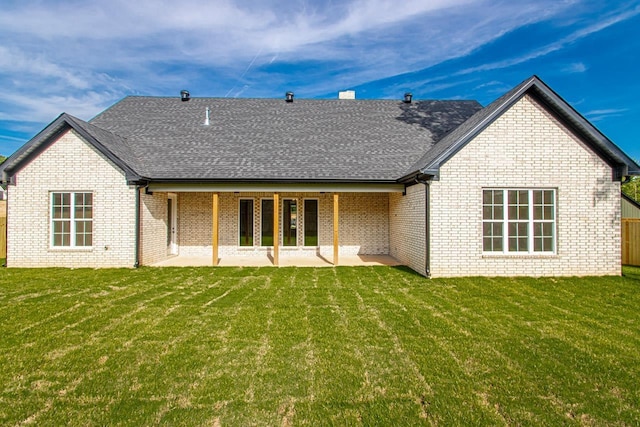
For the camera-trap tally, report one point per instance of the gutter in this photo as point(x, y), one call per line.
point(267, 181)
point(426, 180)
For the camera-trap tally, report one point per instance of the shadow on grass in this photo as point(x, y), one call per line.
point(407, 270)
point(631, 272)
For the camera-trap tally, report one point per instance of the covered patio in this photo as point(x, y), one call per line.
point(234, 225)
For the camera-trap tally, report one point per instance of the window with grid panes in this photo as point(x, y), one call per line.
point(71, 219)
point(518, 221)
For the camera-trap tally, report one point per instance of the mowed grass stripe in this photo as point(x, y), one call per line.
point(167, 342)
point(413, 321)
point(297, 346)
point(531, 344)
point(462, 315)
point(432, 355)
point(235, 349)
point(216, 337)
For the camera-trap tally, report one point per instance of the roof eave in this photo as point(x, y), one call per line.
point(268, 180)
point(420, 174)
point(277, 186)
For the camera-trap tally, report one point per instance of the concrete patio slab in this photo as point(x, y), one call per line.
point(266, 261)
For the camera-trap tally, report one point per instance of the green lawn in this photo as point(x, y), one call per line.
point(304, 346)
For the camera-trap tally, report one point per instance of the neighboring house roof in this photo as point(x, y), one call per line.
point(446, 148)
point(165, 139)
point(630, 208)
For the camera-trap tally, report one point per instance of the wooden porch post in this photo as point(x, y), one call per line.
point(336, 244)
point(214, 238)
point(276, 228)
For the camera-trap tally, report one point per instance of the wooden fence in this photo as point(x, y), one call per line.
point(3, 236)
point(3, 228)
point(631, 241)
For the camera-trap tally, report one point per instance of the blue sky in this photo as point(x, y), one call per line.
point(81, 56)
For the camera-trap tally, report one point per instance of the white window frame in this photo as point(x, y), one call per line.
point(304, 224)
point(72, 220)
point(505, 221)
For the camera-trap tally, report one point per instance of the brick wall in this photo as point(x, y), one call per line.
point(71, 165)
point(364, 225)
point(194, 224)
point(527, 147)
point(153, 227)
point(407, 227)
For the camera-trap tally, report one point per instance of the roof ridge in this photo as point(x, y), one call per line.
point(276, 99)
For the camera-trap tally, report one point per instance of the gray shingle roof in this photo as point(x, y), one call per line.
point(268, 139)
point(165, 139)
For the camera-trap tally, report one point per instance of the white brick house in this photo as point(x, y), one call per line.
point(524, 186)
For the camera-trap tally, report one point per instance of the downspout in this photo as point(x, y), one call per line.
point(136, 264)
point(427, 223)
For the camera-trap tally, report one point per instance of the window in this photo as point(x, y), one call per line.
point(311, 222)
point(289, 222)
point(246, 222)
point(266, 230)
point(518, 221)
point(492, 217)
point(72, 219)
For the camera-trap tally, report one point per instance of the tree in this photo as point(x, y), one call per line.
point(632, 188)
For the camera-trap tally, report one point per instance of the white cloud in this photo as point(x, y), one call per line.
point(557, 45)
point(43, 109)
point(598, 115)
point(81, 56)
point(13, 62)
point(130, 33)
point(576, 67)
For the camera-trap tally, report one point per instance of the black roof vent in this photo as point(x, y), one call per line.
point(184, 95)
point(407, 97)
point(289, 97)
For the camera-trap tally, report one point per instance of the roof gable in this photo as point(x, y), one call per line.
point(431, 161)
point(109, 144)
